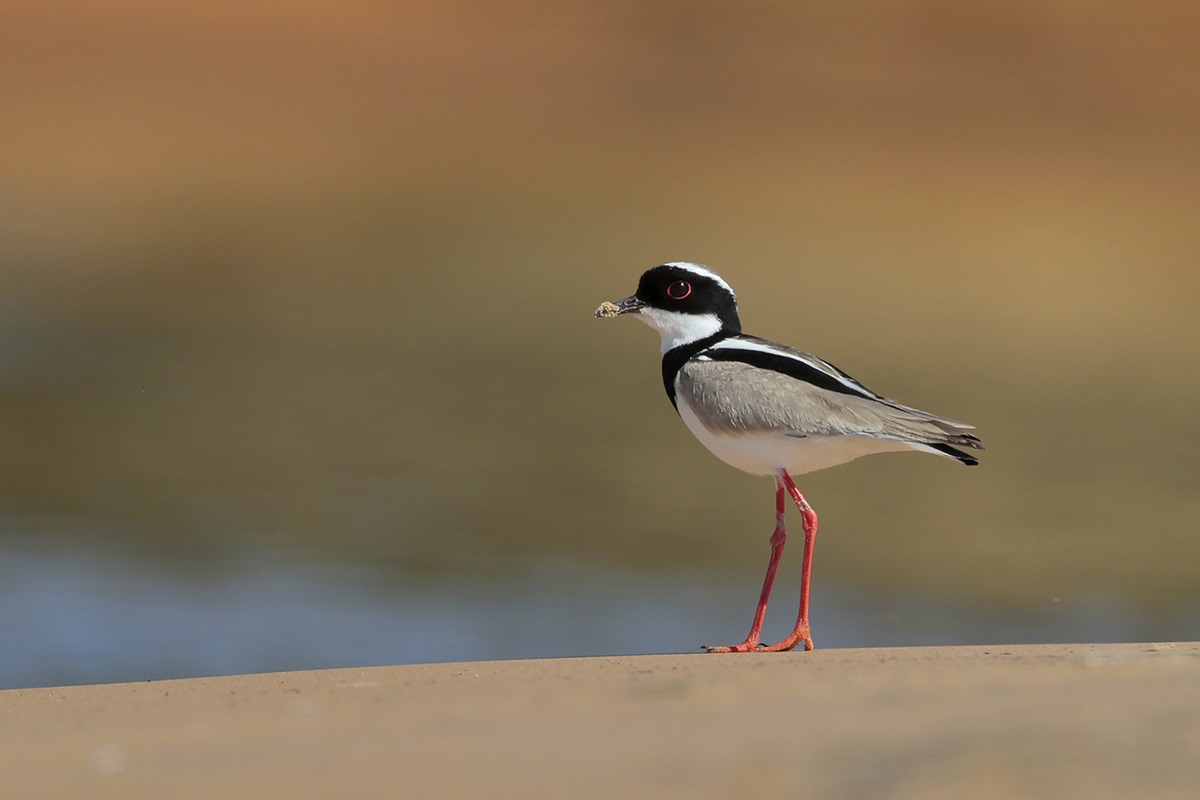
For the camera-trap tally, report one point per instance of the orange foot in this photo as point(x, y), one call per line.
point(798, 636)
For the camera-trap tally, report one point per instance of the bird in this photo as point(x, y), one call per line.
point(769, 409)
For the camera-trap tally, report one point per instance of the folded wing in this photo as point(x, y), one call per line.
point(749, 385)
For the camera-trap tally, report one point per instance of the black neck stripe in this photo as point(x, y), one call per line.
point(674, 359)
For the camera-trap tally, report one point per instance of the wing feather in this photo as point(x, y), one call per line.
point(733, 390)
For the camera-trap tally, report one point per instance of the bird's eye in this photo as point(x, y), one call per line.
point(679, 290)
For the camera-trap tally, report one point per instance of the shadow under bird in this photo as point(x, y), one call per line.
point(769, 409)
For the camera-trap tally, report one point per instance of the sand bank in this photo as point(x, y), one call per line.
point(957, 722)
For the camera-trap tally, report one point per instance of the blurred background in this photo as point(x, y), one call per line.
point(298, 366)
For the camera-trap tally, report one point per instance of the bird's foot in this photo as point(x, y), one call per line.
point(745, 647)
point(798, 636)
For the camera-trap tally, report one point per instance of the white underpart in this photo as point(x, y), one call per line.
point(764, 453)
point(677, 328)
point(700, 269)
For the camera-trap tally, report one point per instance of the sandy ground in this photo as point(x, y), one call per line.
point(1092, 721)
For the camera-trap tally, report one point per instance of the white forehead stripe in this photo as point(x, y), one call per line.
point(700, 269)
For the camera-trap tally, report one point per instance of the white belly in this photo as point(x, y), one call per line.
point(764, 453)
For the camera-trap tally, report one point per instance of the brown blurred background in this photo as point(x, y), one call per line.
point(314, 281)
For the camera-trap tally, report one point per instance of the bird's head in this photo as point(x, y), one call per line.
point(684, 302)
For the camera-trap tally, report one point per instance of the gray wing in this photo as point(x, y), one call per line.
point(734, 397)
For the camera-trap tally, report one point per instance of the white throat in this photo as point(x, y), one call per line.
point(677, 328)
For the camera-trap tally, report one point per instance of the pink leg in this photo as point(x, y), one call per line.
point(801, 633)
point(778, 539)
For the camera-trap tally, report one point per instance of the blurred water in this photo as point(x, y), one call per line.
point(211, 490)
point(313, 467)
point(82, 616)
point(298, 366)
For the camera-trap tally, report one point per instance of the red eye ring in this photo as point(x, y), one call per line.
point(679, 290)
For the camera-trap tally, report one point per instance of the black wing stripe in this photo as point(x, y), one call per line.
point(954, 452)
point(790, 366)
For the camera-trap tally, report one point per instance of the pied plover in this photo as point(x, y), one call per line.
point(768, 409)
